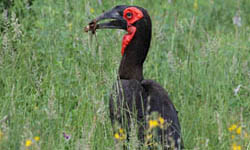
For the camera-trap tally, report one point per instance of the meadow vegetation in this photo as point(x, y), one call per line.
point(55, 80)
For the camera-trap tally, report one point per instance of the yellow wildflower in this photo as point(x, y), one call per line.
point(233, 127)
point(121, 130)
point(238, 130)
point(92, 10)
point(236, 147)
point(161, 121)
point(28, 143)
point(117, 136)
point(36, 138)
point(120, 135)
point(233, 136)
point(1, 135)
point(195, 4)
point(153, 124)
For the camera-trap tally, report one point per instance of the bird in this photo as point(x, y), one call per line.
point(132, 96)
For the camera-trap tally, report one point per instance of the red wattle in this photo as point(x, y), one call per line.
point(128, 37)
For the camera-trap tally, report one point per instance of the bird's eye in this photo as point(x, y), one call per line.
point(129, 15)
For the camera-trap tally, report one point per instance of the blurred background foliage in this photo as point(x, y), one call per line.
point(55, 79)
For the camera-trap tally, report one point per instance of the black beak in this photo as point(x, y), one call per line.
point(117, 21)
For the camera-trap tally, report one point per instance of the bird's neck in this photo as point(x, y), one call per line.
point(131, 66)
point(135, 51)
point(130, 69)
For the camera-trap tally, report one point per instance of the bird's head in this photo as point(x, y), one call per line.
point(135, 20)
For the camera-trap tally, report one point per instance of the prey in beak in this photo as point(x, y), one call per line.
point(116, 20)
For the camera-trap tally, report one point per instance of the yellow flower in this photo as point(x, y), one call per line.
point(238, 130)
point(1, 135)
point(195, 4)
point(236, 147)
point(117, 136)
point(28, 143)
point(161, 121)
point(123, 137)
point(92, 10)
point(233, 127)
point(36, 138)
point(121, 130)
point(153, 124)
point(233, 136)
point(120, 135)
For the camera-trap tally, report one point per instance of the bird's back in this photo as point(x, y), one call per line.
point(140, 99)
point(158, 101)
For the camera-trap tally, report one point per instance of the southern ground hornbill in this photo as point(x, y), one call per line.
point(133, 96)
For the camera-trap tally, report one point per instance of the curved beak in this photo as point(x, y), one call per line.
point(116, 21)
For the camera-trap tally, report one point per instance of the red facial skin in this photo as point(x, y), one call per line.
point(135, 15)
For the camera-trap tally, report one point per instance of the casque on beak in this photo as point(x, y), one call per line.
point(117, 21)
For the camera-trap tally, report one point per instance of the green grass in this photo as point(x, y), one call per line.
point(55, 78)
